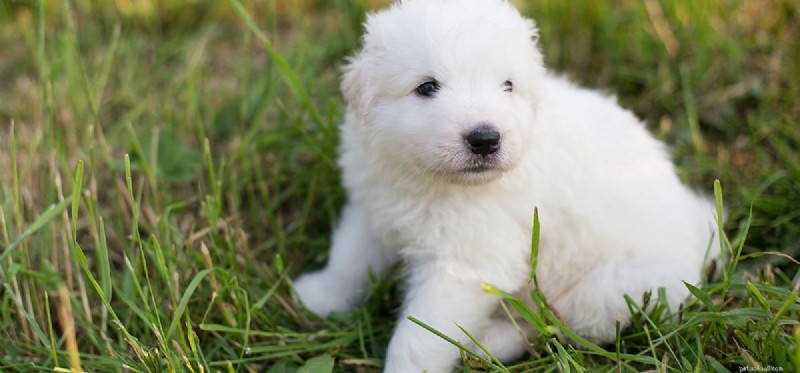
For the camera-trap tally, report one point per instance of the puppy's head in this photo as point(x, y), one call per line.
point(446, 88)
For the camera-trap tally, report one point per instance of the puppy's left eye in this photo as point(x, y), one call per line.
point(427, 89)
point(508, 86)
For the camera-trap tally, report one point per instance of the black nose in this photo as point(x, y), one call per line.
point(483, 140)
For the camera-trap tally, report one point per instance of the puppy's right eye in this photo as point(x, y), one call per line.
point(428, 88)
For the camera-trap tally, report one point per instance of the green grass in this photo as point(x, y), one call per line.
point(165, 169)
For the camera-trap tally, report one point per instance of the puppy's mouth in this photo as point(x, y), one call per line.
point(482, 164)
point(478, 169)
point(471, 169)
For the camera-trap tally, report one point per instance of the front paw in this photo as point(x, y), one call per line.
point(416, 350)
point(322, 294)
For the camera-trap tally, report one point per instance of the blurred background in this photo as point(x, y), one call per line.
point(718, 80)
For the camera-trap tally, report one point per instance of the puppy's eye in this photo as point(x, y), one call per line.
point(428, 88)
point(508, 86)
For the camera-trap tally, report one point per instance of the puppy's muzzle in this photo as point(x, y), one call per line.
point(483, 140)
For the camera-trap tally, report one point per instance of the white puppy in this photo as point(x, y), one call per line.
point(454, 133)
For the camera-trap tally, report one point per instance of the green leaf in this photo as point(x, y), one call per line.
point(185, 300)
point(716, 365)
point(701, 295)
point(319, 364)
point(530, 316)
point(757, 295)
point(104, 261)
point(76, 198)
point(279, 264)
point(279, 367)
point(535, 234)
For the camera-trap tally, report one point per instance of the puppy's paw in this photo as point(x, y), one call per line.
point(504, 341)
point(322, 294)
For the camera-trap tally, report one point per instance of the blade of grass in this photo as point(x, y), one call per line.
point(532, 317)
point(51, 213)
point(30, 319)
point(536, 232)
point(183, 304)
point(691, 112)
point(701, 295)
point(51, 332)
point(68, 328)
point(483, 348)
point(454, 343)
point(796, 354)
point(76, 198)
point(790, 301)
point(104, 262)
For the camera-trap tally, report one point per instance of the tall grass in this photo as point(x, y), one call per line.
point(166, 168)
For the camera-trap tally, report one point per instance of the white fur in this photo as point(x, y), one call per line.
point(615, 218)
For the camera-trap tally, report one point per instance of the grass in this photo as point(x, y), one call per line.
point(166, 168)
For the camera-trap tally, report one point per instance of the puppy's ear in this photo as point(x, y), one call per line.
point(533, 35)
point(355, 83)
point(533, 31)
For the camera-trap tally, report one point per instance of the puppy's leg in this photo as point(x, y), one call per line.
point(440, 295)
point(591, 307)
point(506, 341)
point(340, 285)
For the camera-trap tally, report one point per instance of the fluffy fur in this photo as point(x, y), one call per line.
point(615, 218)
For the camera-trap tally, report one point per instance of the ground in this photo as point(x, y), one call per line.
point(167, 167)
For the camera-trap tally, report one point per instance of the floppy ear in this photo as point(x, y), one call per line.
point(533, 31)
point(533, 35)
point(355, 83)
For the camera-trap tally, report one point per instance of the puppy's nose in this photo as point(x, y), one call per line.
point(483, 140)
